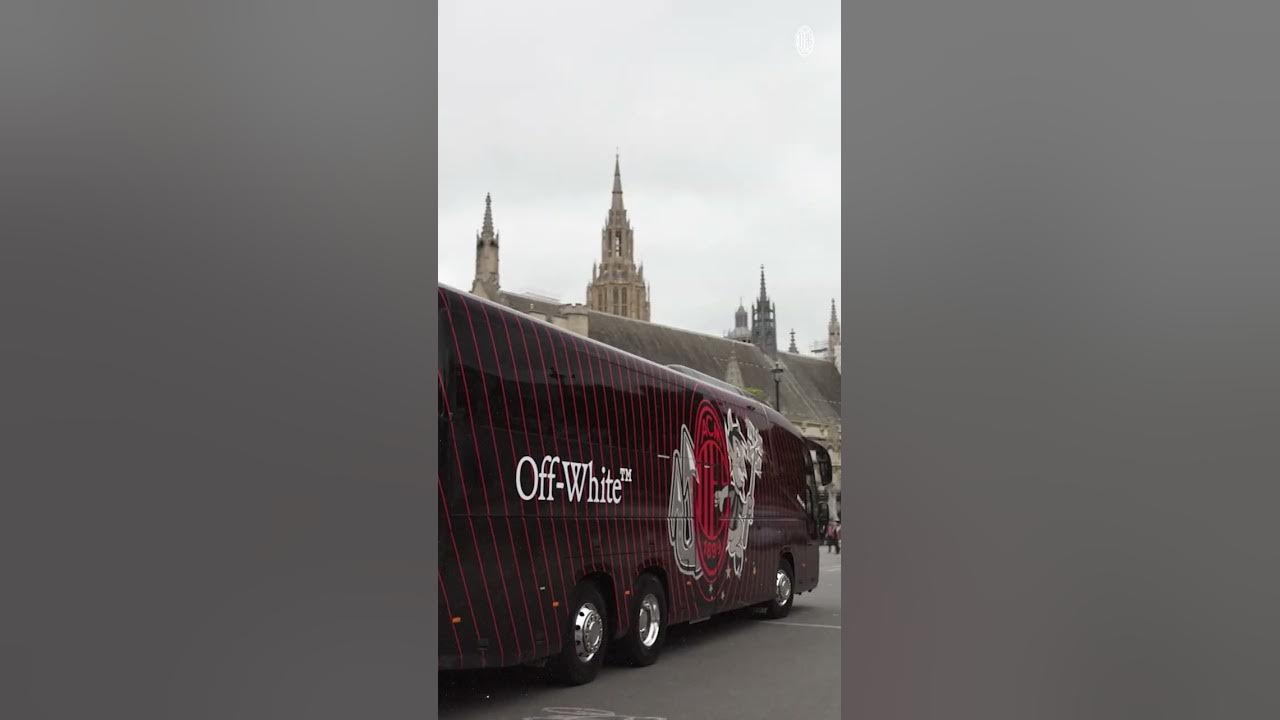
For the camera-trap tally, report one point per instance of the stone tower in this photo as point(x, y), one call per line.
point(764, 331)
point(793, 349)
point(833, 336)
point(486, 281)
point(741, 330)
point(617, 286)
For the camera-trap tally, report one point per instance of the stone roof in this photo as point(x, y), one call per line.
point(527, 304)
point(810, 386)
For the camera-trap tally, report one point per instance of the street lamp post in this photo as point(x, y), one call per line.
point(777, 385)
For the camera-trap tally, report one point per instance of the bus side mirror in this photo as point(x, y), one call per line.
point(824, 465)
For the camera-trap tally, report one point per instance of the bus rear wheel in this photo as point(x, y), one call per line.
point(585, 639)
point(784, 593)
point(643, 642)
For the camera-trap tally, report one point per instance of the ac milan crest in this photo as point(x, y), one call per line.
point(712, 507)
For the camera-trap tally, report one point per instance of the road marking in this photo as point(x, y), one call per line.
point(833, 569)
point(574, 713)
point(813, 625)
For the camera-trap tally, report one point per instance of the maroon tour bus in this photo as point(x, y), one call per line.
point(590, 499)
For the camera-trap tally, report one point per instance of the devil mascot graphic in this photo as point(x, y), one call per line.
point(713, 483)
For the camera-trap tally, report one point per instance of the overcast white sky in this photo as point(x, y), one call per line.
point(730, 143)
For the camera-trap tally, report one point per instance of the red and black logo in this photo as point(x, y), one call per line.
point(713, 475)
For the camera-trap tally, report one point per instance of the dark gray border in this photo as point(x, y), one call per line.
point(217, 334)
point(1060, 352)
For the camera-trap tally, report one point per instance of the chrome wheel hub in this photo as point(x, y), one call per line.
point(650, 621)
point(588, 632)
point(784, 587)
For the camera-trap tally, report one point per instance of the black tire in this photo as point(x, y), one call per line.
point(642, 644)
point(775, 608)
point(568, 667)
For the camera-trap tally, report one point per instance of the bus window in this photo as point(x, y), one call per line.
point(817, 474)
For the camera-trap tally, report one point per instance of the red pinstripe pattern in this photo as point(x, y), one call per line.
point(612, 532)
point(497, 364)
point(666, 429)
point(458, 556)
point(618, 449)
point(543, 605)
point(448, 609)
point(506, 509)
point(638, 460)
point(766, 558)
point(646, 477)
point(776, 552)
point(594, 450)
point(626, 458)
point(659, 479)
point(668, 426)
point(564, 591)
point(493, 536)
point(649, 474)
point(444, 501)
point(580, 400)
point(633, 460)
point(575, 569)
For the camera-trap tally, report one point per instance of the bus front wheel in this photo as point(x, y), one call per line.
point(784, 593)
point(586, 635)
point(643, 642)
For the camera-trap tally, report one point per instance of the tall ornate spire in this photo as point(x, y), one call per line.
point(793, 348)
point(617, 184)
point(486, 279)
point(833, 336)
point(764, 332)
point(618, 287)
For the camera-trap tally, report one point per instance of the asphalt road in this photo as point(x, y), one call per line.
point(739, 666)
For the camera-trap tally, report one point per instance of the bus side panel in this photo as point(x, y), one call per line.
point(520, 394)
point(780, 519)
point(508, 618)
point(530, 394)
point(540, 412)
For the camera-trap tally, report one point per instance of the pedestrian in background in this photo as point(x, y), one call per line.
point(832, 537)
